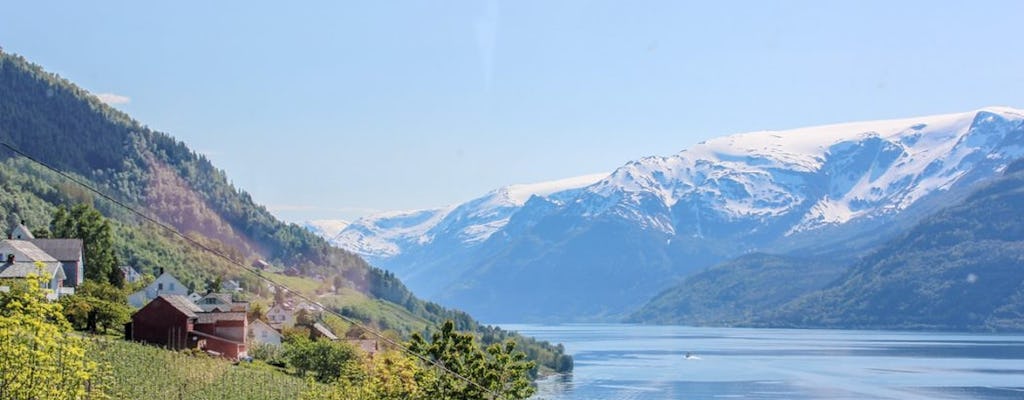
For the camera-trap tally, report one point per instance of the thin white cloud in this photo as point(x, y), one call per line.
point(113, 99)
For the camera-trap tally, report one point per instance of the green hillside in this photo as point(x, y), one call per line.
point(64, 126)
point(737, 292)
point(959, 269)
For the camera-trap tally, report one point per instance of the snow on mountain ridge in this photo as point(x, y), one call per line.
point(326, 228)
point(385, 234)
point(768, 173)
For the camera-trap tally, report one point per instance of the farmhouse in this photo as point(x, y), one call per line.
point(175, 322)
point(68, 252)
point(19, 258)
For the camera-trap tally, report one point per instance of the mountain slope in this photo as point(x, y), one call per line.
point(739, 291)
point(960, 269)
point(68, 128)
point(414, 243)
point(601, 251)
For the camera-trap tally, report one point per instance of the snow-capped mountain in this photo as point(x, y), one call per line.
point(325, 228)
point(597, 247)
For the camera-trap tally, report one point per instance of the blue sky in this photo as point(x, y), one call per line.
point(336, 109)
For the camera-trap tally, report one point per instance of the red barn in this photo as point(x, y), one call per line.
point(175, 322)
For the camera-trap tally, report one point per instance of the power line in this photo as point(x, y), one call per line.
point(174, 231)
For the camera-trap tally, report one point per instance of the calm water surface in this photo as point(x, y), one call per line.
point(615, 361)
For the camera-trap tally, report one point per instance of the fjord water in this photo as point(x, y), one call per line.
point(617, 361)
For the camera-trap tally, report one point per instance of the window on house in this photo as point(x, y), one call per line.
point(159, 286)
point(172, 286)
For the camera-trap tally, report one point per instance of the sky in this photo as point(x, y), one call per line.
point(334, 110)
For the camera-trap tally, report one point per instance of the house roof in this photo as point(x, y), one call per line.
point(21, 269)
point(212, 317)
point(224, 298)
point(65, 250)
point(25, 250)
point(259, 322)
point(182, 304)
point(324, 331)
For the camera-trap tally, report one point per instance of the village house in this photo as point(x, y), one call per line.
point(68, 252)
point(163, 284)
point(175, 322)
point(131, 275)
point(195, 297)
point(261, 332)
point(281, 317)
point(19, 258)
point(231, 286)
point(292, 271)
point(221, 302)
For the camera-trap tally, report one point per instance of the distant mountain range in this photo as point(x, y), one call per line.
point(597, 248)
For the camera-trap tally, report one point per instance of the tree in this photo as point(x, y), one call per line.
point(500, 370)
point(214, 285)
point(39, 359)
point(327, 361)
point(96, 305)
point(257, 312)
point(304, 318)
point(86, 223)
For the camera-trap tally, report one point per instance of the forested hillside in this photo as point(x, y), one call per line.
point(739, 291)
point(960, 269)
point(64, 126)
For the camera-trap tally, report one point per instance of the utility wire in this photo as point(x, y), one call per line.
point(440, 366)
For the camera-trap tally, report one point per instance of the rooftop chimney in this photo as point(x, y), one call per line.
point(161, 271)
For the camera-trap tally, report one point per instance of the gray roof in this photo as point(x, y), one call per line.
point(183, 304)
point(224, 298)
point(65, 250)
point(324, 331)
point(24, 250)
point(21, 269)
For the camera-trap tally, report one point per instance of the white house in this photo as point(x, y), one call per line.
point(131, 275)
point(164, 284)
point(231, 286)
point(280, 317)
point(195, 297)
point(21, 232)
point(261, 332)
point(19, 258)
point(69, 252)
